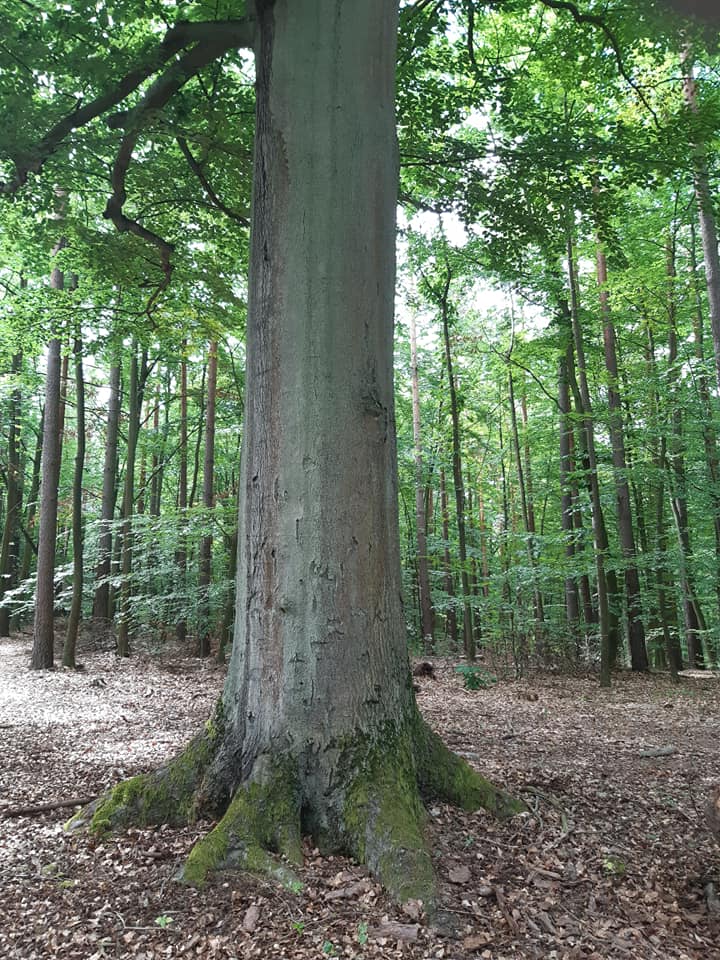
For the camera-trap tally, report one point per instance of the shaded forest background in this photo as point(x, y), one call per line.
point(557, 349)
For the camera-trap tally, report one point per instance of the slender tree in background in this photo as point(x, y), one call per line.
point(443, 294)
point(77, 508)
point(43, 651)
point(10, 549)
point(181, 554)
point(427, 617)
point(101, 599)
point(208, 500)
point(636, 630)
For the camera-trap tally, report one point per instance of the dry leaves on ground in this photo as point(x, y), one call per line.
point(611, 861)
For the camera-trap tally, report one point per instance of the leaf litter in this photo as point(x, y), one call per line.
point(611, 860)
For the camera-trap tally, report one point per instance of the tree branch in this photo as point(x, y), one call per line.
point(198, 171)
point(597, 21)
point(227, 33)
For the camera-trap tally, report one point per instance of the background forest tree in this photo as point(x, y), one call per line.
point(558, 183)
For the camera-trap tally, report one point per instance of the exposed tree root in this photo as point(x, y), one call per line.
point(361, 797)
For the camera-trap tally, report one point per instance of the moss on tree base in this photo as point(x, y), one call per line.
point(362, 798)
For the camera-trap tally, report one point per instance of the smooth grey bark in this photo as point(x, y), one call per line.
point(636, 629)
point(101, 599)
point(43, 655)
point(29, 548)
point(318, 731)
point(427, 616)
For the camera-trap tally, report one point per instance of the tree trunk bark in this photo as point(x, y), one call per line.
point(101, 600)
point(706, 212)
point(208, 498)
point(77, 516)
point(318, 731)
point(427, 617)
point(138, 374)
point(528, 515)
point(181, 556)
point(599, 534)
point(43, 655)
point(451, 624)
point(572, 605)
point(636, 629)
point(10, 549)
point(468, 636)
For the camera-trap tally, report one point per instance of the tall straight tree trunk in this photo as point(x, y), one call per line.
point(198, 439)
point(29, 549)
point(427, 617)
point(181, 556)
point(706, 211)
point(528, 517)
point(692, 611)
point(468, 635)
point(319, 733)
point(43, 652)
point(101, 600)
point(10, 549)
point(451, 624)
point(572, 606)
point(155, 468)
point(205, 566)
point(599, 534)
point(636, 629)
point(138, 373)
point(709, 431)
point(77, 515)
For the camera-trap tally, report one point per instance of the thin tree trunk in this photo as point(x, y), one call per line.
point(43, 652)
point(636, 629)
point(138, 374)
point(29, 549)
point(599, 535)
point(693, 615)
point(572, 607)
point(528, 517)
point(706, 212)
point(451, 625)
point(468, 635)
point(10, 549)
point(205, 565)
point(198, 440)
point(101, 600)
point(181, 556)
point(427, 617)
point(77, 516)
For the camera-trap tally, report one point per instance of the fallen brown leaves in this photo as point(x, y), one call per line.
point(612, 861)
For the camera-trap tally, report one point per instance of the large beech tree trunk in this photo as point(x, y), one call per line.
point(318, 730)
point(77, 516)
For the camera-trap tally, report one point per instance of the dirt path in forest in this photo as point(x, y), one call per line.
point(611, 862)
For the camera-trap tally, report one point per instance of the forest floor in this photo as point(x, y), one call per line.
point(610, 862)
